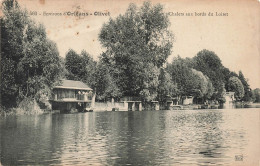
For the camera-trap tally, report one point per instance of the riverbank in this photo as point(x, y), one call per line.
point(255, 104)
point(32, 108)
point(18, 111)
point(247, 105)
point(26, 107)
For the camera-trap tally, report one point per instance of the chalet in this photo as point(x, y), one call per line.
point(72, 96)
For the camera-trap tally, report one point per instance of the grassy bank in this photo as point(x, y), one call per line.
point(26, 107)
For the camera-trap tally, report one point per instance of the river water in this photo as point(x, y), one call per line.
point(188, 137)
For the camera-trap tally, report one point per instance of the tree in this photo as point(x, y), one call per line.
point(210, 88)
point(8, 84)
point(137, 44)
point(256, 95)
point(227, 74)
point(11, 50)
point(202, 85)
point(150, 82)
point(182, 76)
point(32, 57)
point(88, 69)
point(166, 86)
point(189, 81)
point(40, 66)
point(210, 65)
point(236, 86)
point(81, 67)
point(247, 89)
point(73, 65)
point(106, 86)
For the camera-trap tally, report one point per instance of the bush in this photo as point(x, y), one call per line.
point(28, 106)
point(7, 111)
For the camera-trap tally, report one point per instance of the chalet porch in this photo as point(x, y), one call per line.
point(71, 106)
point(72, 96)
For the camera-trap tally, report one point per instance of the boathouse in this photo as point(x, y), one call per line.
point(132, 103)
point(72, 96)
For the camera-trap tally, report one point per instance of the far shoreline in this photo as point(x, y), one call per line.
point(18, 112)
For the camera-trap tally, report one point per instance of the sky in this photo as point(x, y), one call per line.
point(235, 37)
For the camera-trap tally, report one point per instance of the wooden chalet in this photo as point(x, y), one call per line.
point(72, 96)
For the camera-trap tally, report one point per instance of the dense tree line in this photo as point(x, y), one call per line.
point(204, 77)
point(137, 45)
point(30, 62)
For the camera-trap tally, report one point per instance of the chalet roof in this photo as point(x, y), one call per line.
point(71, 84)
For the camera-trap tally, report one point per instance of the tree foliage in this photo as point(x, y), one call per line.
point(106, 86)
point(166, 87)
point(182, 76)
point(137, 45)
point(236, 86)
point(81, 67)
point(202, 85)
point(205, 77)
point(210, 65)
point(256, 95)
point(189, 81)
point(30, 62)
point(247, 89)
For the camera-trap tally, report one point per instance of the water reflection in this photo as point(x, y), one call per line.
point(128, 138)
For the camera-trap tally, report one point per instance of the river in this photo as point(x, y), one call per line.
point(188, 137)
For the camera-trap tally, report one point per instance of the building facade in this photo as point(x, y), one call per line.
point(230, 99)
point(72, 96)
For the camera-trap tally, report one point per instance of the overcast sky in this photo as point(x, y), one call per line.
point(234, 38)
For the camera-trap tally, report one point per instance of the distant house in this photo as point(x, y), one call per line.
point(72, 95)
point(169, 102)
point(187, 100)
point(126, 103)
point(132, 103)
point(230, 98)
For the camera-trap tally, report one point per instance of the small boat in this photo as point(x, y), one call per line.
point(88, 110)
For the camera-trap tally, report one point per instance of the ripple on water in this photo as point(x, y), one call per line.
point(196, 137)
